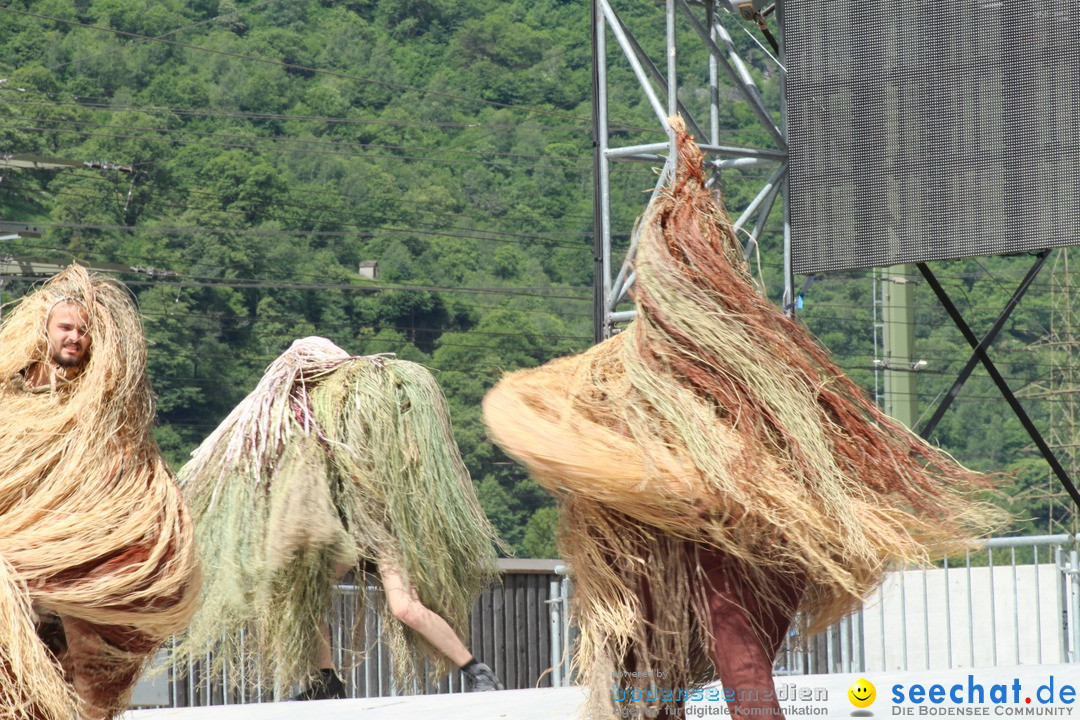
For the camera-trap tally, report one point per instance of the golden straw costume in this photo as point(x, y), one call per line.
point(717, 473)
point(332, 460)
point(96, 548)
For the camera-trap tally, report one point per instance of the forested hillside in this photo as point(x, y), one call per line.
point(277, 146)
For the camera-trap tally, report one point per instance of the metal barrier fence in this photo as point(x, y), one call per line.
point(1017, 601)
point(519, 627)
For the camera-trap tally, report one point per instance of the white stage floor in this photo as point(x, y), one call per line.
point(1005, 692)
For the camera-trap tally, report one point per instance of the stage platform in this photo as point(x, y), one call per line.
point(1020, 691)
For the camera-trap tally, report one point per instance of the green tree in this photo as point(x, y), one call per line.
point(539, 538)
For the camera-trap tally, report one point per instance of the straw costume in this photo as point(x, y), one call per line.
point(717, 473)
point(96, 548)
point(331, 460)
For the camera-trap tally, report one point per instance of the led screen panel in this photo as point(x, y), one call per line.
point(931, 130)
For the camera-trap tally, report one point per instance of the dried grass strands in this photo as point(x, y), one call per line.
point(31, 684)
point(357, 463)
point(252, 437)
point(640, 608)
point(412, 505)
point(715, 420)
point(256, 461)
point(849, 488)
point(91, 523)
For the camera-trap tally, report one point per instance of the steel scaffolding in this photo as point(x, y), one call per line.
point(709, 21)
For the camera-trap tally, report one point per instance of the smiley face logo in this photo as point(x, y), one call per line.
point(862, 693)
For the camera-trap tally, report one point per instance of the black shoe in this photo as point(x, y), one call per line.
point(327, 686)
point(481, 678)
point(51, 631)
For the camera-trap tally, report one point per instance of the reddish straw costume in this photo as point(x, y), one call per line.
point(717, 474)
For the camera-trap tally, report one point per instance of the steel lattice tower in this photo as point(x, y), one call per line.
point(711, 24)
point(1061, 392)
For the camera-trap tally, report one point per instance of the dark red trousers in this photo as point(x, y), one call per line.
point(748, 626)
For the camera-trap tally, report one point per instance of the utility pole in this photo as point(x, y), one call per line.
point(898, 294)
point(11, 266)
point(878, 333)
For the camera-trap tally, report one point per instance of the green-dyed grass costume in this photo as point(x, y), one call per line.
point(331, 459)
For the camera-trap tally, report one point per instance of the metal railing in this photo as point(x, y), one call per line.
point(518, 626)
point(1016, 601)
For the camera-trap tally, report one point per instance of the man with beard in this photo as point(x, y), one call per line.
point(69, 344)
point(97, 566)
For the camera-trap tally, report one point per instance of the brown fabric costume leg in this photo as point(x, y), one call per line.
point(102, 673)
point(748, 630)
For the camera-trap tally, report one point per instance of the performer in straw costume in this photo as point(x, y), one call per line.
point(97, 563)
point(335, 462)
point(718, 475)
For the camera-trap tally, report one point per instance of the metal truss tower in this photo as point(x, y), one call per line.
point(1061, 393)
point(728, 78)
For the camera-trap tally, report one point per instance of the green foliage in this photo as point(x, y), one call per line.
point(979, 429)
point(263, 186)
point(539, 540)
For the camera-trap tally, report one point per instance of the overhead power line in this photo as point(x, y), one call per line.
point(146, 264)
point(191, 229)
point(330, 120)
point(174, 279)
point(417, 227)
point(253, 146)
point(280, 139)
point(182, 281)
point(177, 31)
point(301, 319)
